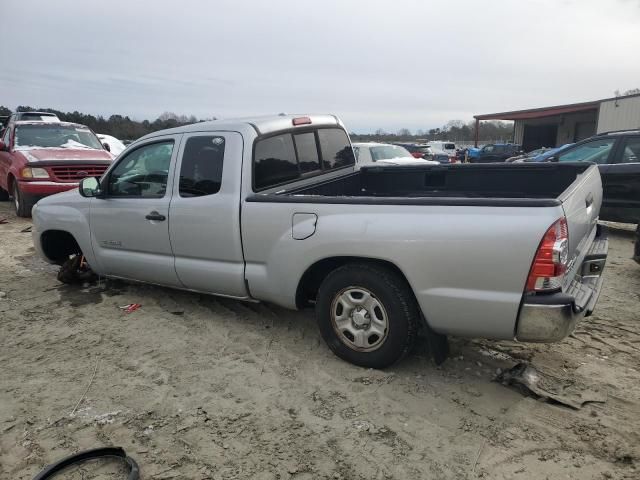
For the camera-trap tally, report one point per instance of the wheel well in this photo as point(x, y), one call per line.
point(314, 275)
point(10, 180)
point(57, 245)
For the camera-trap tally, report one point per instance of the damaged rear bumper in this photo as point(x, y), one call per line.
point(551, 317)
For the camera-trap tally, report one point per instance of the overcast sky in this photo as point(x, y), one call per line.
point(387, 64)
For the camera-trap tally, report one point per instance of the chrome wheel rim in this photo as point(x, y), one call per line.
point(359, 319)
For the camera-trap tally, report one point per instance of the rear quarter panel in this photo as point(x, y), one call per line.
point(466, 265)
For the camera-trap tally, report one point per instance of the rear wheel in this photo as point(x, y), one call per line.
point(367, 315)
point(21, 203)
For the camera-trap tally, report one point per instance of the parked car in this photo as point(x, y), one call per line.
point(379, 252)
point(528, 156)
point(380, 154)
point(112, 144)
point(41, 158)
point(618, 157)
point(495, 152)
point(444, 147)
point(542, 157)
point(417, 150)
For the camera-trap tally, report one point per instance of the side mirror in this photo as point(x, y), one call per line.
point(106, 146)
point(89, 187)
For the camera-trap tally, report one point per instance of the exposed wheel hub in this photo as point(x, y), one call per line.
point(360, 317)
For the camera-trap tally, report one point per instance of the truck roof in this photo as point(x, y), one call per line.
point(259, 124)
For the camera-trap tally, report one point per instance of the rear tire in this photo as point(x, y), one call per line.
point(21, 204)
point(367, 315)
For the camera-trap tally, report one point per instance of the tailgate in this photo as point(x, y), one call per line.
point(581, 203)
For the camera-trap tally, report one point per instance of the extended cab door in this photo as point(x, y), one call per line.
point(205, 214)
point(130, 221)
point(622, 182)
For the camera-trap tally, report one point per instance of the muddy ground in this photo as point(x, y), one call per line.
point(200, 387)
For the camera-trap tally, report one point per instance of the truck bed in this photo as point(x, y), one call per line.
point(499, 184)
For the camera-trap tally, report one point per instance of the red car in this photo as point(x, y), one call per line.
point(38, 159)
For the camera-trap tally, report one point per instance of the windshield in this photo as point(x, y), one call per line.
point(55, 136)
point(388, 151)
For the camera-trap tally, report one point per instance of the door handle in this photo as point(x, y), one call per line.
point(156, 216)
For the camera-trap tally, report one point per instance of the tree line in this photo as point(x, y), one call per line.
point(125, 128)
point(454, 130)
point(119, 126)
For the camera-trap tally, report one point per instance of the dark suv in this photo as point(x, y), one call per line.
point(618, 157)
point(495, 152)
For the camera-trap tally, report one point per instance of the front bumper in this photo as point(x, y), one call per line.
point(551, 317)
point(37, 189)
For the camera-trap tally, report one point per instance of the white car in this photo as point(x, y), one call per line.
point(371, 153)
point(116, 147)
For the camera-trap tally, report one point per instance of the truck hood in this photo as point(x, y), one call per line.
point(62, 154)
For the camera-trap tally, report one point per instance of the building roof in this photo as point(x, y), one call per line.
point(548, 111)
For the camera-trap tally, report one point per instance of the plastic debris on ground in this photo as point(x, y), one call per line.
point(132, 307)
point(548, 387)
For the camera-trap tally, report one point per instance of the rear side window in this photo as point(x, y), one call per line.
point(275, 161)
point(335, 147)
point(201, 170)
point(286, 157)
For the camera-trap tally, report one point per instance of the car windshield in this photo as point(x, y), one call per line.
point(388, 151)
point(55, 136)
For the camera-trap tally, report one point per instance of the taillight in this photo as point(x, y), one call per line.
point(550, 262)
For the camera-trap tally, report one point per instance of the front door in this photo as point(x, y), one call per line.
point(130, 222)
point(205, 214)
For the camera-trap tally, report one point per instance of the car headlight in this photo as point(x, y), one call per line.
point(31, 172)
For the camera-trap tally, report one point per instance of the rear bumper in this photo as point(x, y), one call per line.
point(39, 189)
point(551, 317)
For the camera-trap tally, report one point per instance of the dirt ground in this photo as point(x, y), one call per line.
point(199, 387)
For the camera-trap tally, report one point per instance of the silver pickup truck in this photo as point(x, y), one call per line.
point(271, 209)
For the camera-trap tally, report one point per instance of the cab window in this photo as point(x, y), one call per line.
point(143, 172)
point(286, 157)
point(596, 151)
point(201, 169)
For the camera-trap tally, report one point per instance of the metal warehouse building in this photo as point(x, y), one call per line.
point(560, 124)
